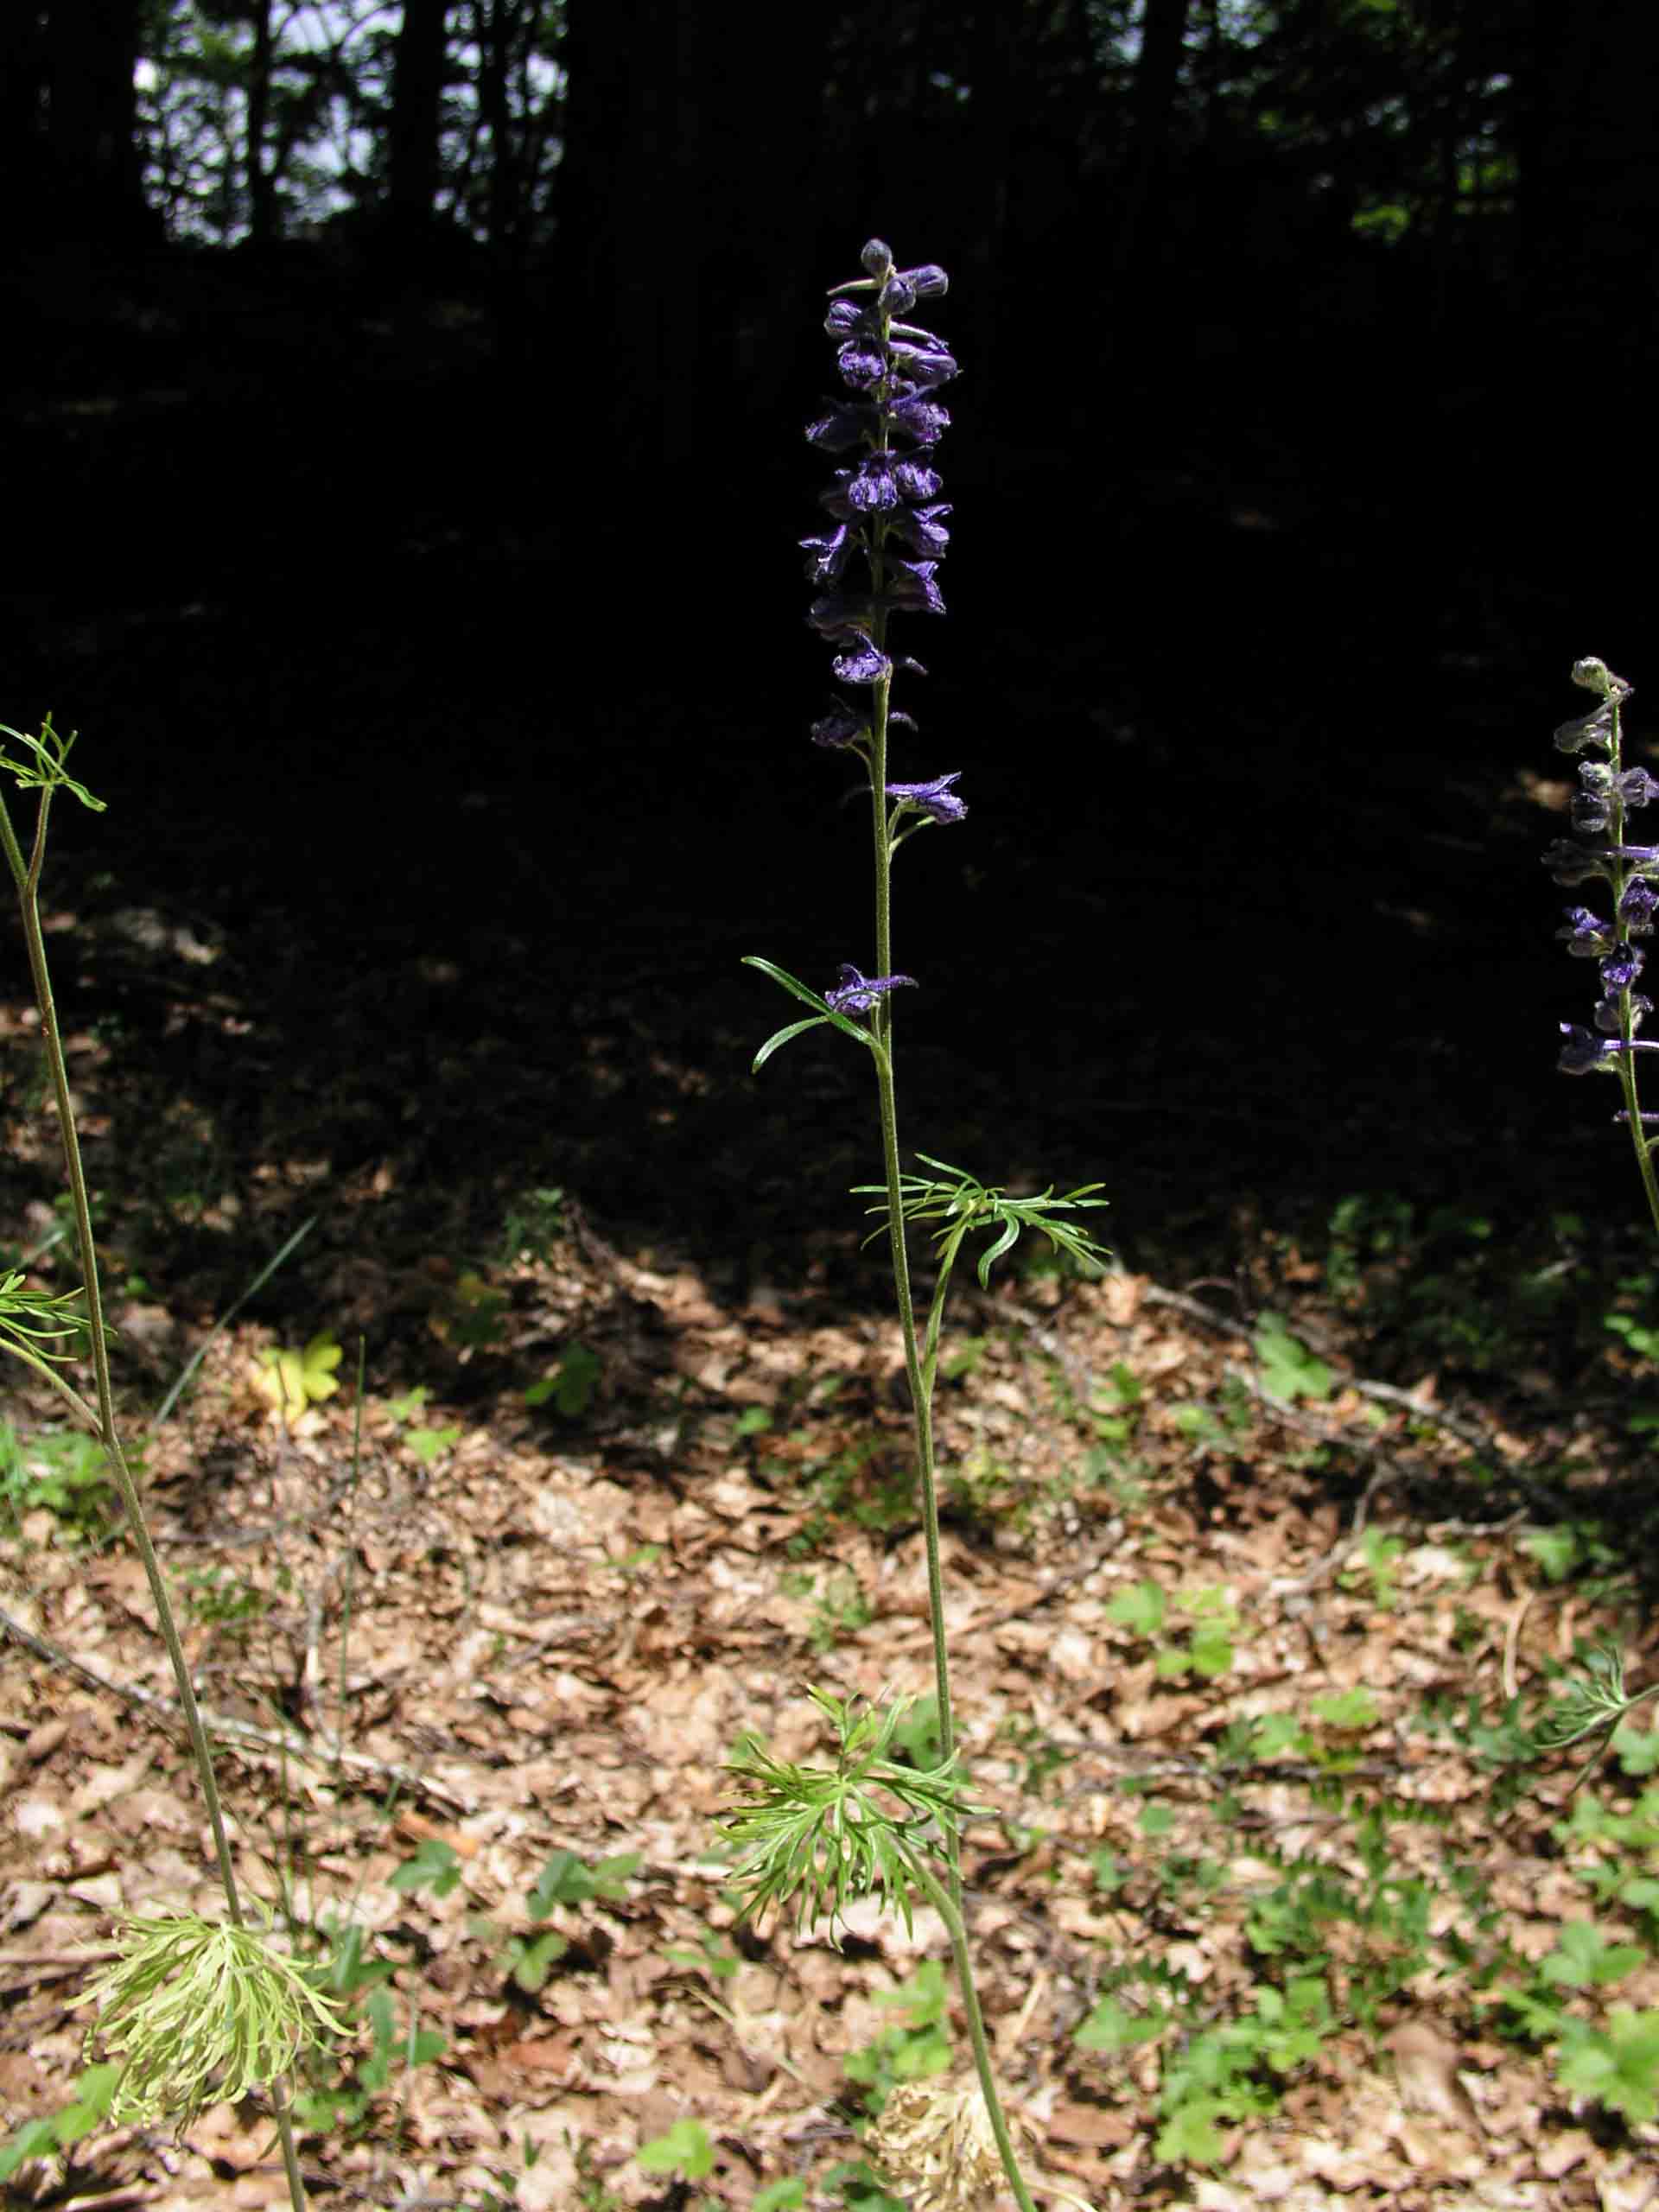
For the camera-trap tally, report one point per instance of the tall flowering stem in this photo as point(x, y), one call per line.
point(816, 1833)
point(1610, 792)
point(884, 508)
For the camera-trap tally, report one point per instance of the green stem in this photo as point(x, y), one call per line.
point(27, 876)
point(921, 1395)
point(949, 1908)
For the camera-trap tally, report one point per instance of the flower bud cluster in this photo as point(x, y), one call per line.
point(1608, 792)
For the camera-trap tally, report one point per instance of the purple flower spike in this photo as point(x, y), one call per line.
point(936, 798)
point(886, 495)
point(855, 994)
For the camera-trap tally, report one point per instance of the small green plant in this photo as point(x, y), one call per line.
point(528, 1956)
point(711, 1956)
point(476, 1319)
point(1617, 2065)
point(63, 1471)
point(346, 2100)
point(1289, 1369)
point(684, 2149)
point(534, 1224)
point(435, 1866)
point(216, 1597)
point(865, 1483)
point(571, 1385)
point(294, 1380)
point(1207, 1648)
point(1378, 1557)
point(86, 2111)
point(913, 2049)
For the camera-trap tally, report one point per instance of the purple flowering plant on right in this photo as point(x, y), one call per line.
point(1610, 792)
point(876, 1823)
point(1592, 1704)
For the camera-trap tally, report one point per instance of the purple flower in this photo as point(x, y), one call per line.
point(922, 367)
point(916, 480)
point(1570, 864)
point(936, 798)
point(1588, 937)
point(843, 725)
point(846, 425)
point(1583, 1052)
point(861, 363)
point(1603, 791)
point(1593, 729)
point(919, 419)
point(872, 485)
point(855, 993)
point(1636, 907)
point(1623, 964)
point(829, 554)
point(863, 663)
point(838, 613)
point(922, 529)
point(911, 585)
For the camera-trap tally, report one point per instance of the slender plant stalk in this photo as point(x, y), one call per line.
point(921, 1385)
point(948, 1907)
point(27, 876)
point(921, 1394)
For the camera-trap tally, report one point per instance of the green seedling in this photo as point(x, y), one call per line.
point(65, 1472)
point(1207, 1648)
point(913, 2051)
point(529, 1956)
point(294, 1380)
point(571, 1385)
point(86, 2111)
point(1289, 1369)
point(1379, 1555)
point(685, 2150)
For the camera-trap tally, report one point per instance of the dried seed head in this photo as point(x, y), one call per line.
point(934, 2141)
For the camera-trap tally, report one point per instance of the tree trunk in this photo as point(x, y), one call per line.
point(93, 186)
point(681, 277)
point(262, 191)
point(419, 63)
point(1156, 79)
point(22, 122)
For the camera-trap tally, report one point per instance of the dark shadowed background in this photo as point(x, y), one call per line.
point(402, 447)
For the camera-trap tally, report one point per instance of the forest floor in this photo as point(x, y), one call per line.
point(1267, 1911)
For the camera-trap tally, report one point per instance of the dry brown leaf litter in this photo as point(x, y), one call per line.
point(558, 1629)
